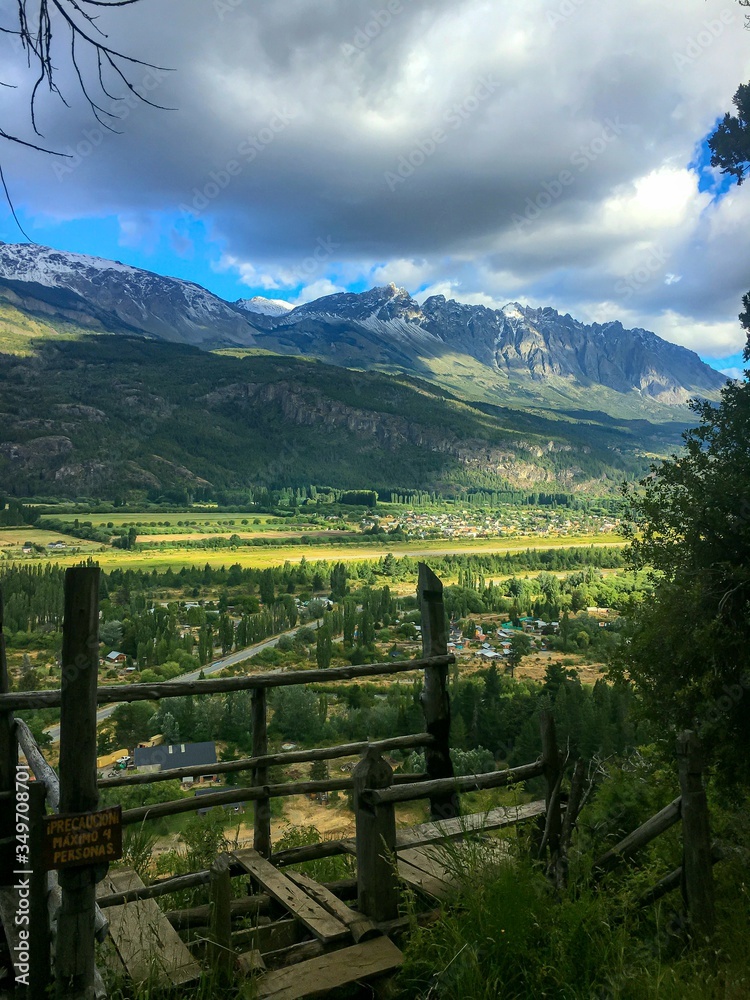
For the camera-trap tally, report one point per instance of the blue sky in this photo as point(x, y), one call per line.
point(488, 151)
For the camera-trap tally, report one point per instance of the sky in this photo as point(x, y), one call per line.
point(550, 153)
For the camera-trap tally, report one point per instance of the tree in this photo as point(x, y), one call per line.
point(110, 633)
point(520, 646)
point(132, 722)
point(324, 646)
point(338, 582)
point(730, 143)
point(686, 651)
point(319, 770)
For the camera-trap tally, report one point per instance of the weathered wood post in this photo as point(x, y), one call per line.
point(262, 807)
point(74, 951)
point(8, 762)
point(39, 931)
point(221, 953)
point(553, 777)
point(377, 879)
point(697, 873)
point(435, 699)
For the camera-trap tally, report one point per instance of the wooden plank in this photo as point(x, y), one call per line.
point(262, 809)
point(466, 783)
point(698, 879)
point(319, 921)
point(421, 880)
point(250, 962)
point(148, 945)
point(436, 704)
point(318, 976)
point(361, 928)
point(653, 827)
point(270, 937)
point(421, 858)
point(495, 819)
point(16, 700)
point(75, 943)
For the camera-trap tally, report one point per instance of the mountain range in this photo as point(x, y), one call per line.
point(448, 395)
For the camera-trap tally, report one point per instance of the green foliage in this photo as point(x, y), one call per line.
point(197, 425)
point(132, 722)
point(730, 143)
point(687, 648)
point(324, 869)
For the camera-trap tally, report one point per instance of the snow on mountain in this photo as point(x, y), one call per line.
point(266, 307)
point(92, 290)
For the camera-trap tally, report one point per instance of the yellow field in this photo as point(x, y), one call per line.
point(156, 518)
point(264, 556)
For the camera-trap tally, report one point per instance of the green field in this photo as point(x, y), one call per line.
point(17, 537)
point(263, 557)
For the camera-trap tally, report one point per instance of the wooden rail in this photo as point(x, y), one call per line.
point(16, 701)
point(269, 760)
point(653, 827)
point(255, 793)
point(466, 783)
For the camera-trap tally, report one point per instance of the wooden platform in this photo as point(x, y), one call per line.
point(318, 976)
point(150, 948)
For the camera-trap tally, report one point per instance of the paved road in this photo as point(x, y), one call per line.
point(210, 668)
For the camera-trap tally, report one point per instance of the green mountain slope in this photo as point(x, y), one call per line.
point(115, 416)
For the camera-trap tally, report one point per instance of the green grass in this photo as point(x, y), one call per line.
point(18, 331)
point(509, 936)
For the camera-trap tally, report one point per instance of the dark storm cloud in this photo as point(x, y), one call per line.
point(489, 148)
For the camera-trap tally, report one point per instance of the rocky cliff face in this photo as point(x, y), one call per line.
point(533, 344)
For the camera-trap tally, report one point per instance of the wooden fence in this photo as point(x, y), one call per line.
point(69, 916)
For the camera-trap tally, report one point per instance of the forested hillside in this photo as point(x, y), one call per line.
point(128, 418)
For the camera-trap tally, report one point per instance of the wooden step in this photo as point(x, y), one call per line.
point(318, 976)
point(150, 948)
point(324, 925)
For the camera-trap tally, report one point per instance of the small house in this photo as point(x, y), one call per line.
point(115, 657)
point(166, 757)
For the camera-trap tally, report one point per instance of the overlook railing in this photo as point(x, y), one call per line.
point(66, 903)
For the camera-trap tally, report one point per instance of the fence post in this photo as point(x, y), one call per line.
point(553, 778)
point(74, 951)
point(377, 880)
point(221, 953)
point(8, 762)
point(697, 873)
point(435, 699)
point(262, 807)
point(39, 930)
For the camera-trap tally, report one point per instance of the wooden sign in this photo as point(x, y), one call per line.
point(92, 838)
